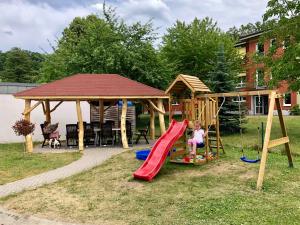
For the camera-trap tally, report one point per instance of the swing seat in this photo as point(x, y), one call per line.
point(245, 159)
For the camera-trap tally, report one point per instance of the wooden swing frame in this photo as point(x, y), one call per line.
point(274, 98)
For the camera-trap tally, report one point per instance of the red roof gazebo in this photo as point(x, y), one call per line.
point(105, 88)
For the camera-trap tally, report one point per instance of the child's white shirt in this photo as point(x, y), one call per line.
point(198, 135)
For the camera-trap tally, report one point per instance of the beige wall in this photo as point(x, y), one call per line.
point(11, 109)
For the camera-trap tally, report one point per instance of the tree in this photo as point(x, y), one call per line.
point(222, 79)
point(107, 45)
point(20, 66)
point(282, 21)
point(190, 48)
point(244, 30)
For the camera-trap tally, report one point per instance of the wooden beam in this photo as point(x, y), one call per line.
point(279, 141)
point(123, 124)
point(101, 111)
point(206, 128)
point(240, 93)
point(170, 109)
point(266, 142)
point(81, 128)
point(55, 107)
point(32, 108)
point(193, 114)
point(47, 109)
point(152, 124)
point(161, 117)
point(217, 127)
point(28, 138)
point(160, 110)
point(44, 110)
point(284, 133)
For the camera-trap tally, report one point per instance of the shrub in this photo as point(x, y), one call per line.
point(295, 110)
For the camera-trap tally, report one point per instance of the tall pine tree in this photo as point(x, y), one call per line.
point(222, 79)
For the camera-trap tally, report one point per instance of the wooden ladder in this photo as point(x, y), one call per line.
point(213, 140)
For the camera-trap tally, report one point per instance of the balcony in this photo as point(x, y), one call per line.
point(252, 85)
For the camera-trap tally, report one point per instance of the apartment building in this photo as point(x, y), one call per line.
point(257, 76)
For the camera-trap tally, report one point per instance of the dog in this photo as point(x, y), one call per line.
point(54, 143)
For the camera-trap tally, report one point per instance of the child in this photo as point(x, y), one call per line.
point(197, 139)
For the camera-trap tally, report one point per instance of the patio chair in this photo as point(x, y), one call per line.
point(72, 134)
point(111, 121)
point(45, 135)
point(129, 133)
point(142, 133)
point(89, 135)
point(107, 134)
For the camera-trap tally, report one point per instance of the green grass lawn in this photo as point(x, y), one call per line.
point(220, 192)
point(15, 165)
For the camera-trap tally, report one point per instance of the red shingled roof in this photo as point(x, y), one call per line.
point(92, 85)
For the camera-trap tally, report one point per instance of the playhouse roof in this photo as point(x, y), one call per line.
point(92, 86)
point(183, 81)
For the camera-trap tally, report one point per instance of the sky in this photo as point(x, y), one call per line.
point(36, 24)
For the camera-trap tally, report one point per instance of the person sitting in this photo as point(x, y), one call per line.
point(51, 129)
point(197, 140)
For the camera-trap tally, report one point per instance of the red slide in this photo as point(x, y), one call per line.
point(160, 151)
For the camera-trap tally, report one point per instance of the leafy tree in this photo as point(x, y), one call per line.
point(107, 45)
point(282, 20)
point(19, 65)
point(244, 30)
point(190, 48)
point(222, 79)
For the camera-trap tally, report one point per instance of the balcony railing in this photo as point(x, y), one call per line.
point(252, 85)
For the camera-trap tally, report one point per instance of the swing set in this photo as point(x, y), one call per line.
point(204, 107)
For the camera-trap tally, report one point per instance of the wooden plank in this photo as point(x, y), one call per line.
point(161, 117)
point(32, 108)
point(279, 141)
point(123, 124)
point(284, 133)
point(47, 108)
point(266, 143)
point(241, 93)
point(81, 128)
point(28, 138)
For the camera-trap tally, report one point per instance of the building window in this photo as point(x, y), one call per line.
point(241, 82)
point(260, 48)
point(239, 99)
point(260, 78)
point(286, 43)
point(287, 100)
point(273, 42)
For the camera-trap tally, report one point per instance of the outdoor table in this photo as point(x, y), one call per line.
point(97, 130)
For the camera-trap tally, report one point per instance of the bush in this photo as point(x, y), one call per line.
point(295, 110)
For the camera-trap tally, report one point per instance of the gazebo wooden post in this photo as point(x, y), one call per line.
point(81, 129)
point(123, 124)
point(161, 116)
point(152, 123)
point(28, 138)
point(47, 111)
point(101, 111)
